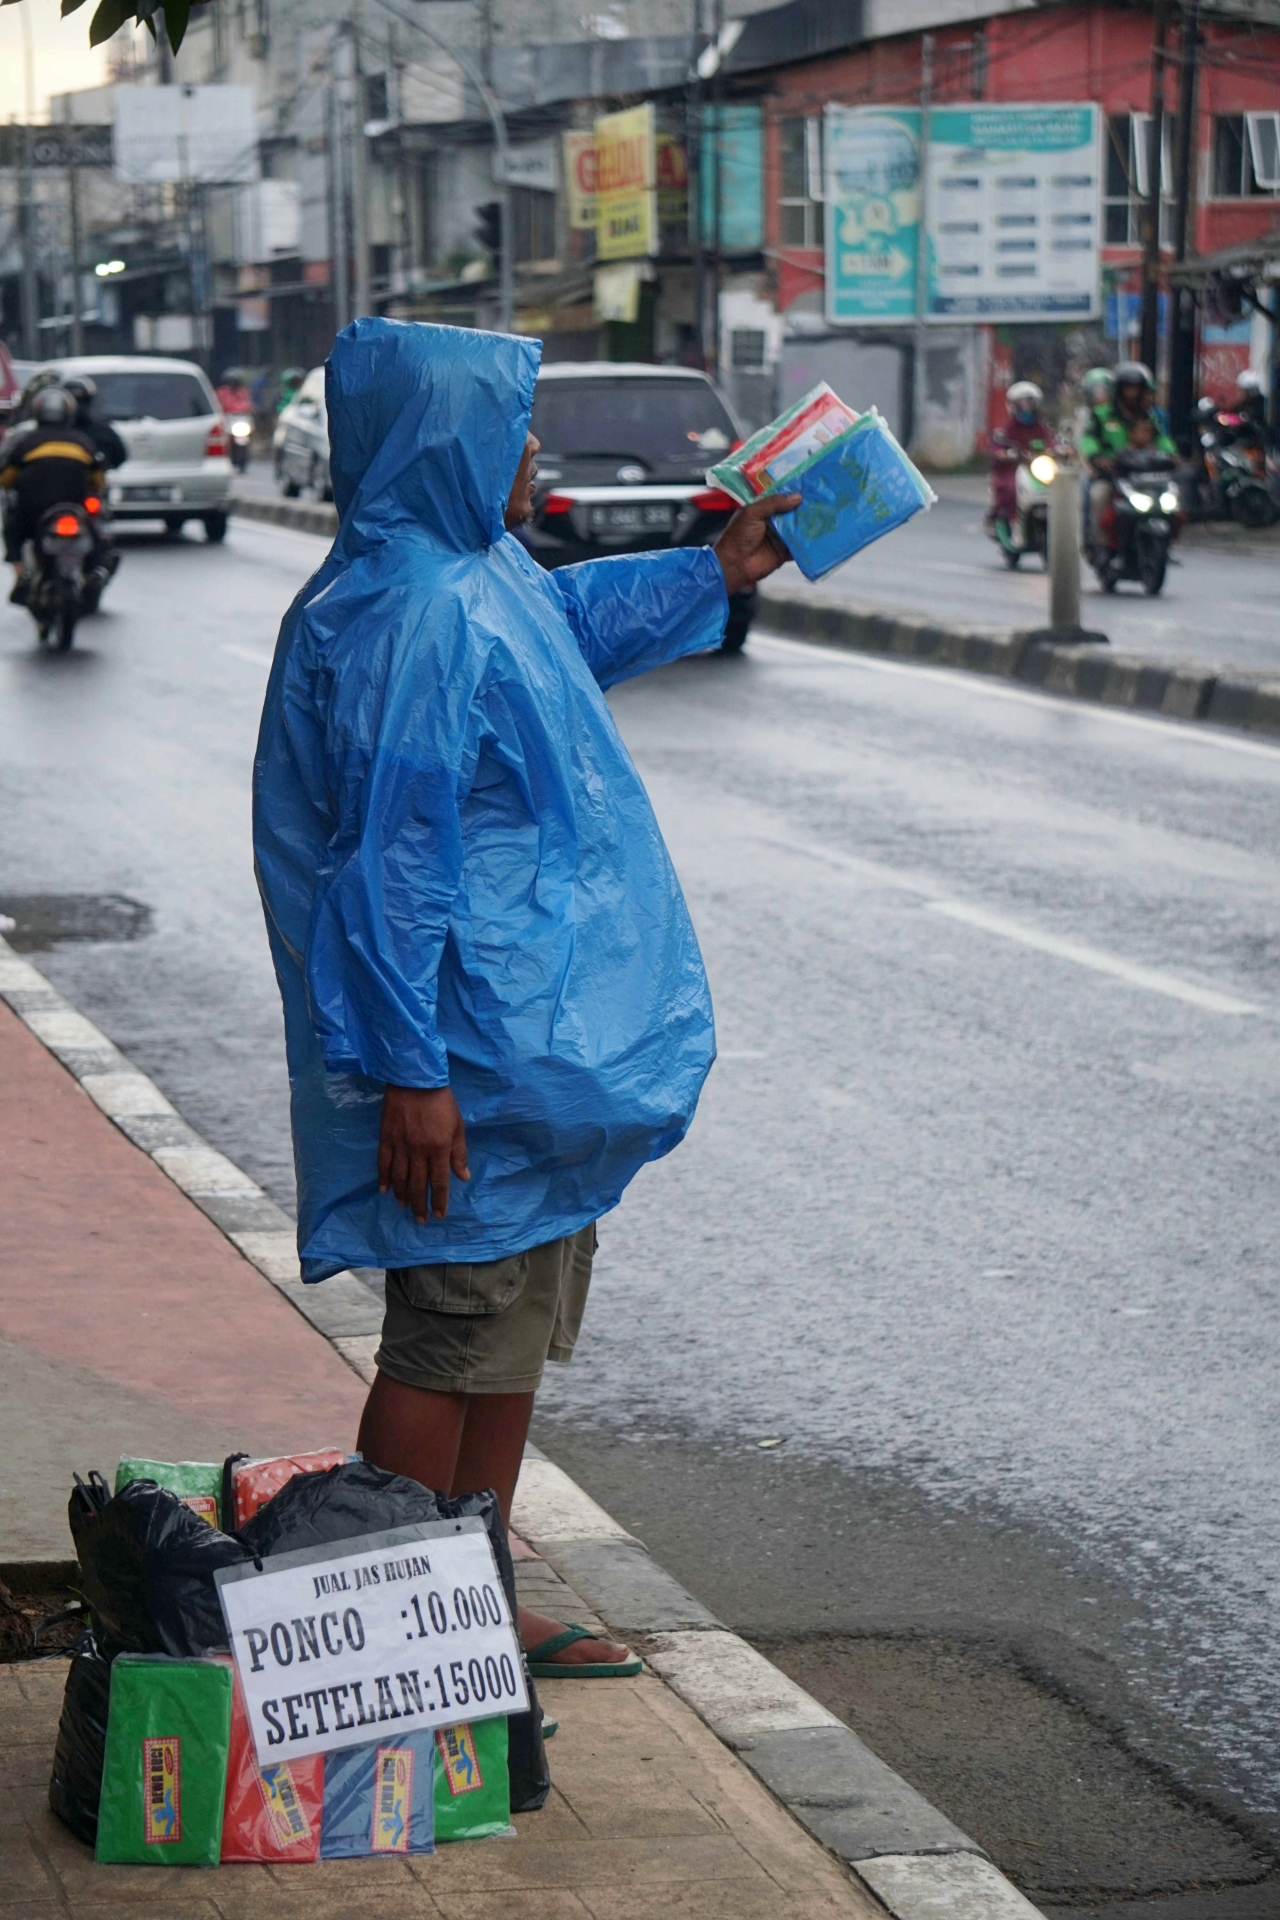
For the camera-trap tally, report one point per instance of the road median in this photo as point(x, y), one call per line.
point(1180, 690)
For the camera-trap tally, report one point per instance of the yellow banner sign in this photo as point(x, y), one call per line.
point(580, 179)
point(626, 179)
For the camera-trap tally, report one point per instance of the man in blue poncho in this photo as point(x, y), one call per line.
point(495, 1007)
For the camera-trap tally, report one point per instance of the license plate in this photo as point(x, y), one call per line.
point(637, 519)
point(150, 493)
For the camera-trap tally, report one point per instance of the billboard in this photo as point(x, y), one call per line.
point(580, 179)
point(1012, 213)
point(185, 133)
point(626, 183)
point(873, 214)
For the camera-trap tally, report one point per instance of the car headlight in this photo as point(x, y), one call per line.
point(1142, 501)
point(1169, 502)
point(1043, 468)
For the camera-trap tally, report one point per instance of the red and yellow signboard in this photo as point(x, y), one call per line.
point(626, 185)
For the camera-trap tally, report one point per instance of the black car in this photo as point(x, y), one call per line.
point(625, 452)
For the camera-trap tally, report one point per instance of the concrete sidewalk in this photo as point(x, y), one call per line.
point(128, 1321)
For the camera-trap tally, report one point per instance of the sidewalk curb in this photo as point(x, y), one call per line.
point(912, 1858)
point(1180, 690)
point(303, 518)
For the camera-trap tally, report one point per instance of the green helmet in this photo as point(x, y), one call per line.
point(1097, 384)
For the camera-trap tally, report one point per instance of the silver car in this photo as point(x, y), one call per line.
point(301, 441)
point(166, 413)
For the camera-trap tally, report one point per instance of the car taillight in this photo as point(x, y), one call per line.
point(92, 506)
point(66, 524)
point(557, 503)
point(215, 447)
point(713, 500)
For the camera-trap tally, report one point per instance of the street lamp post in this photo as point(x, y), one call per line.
point(499, 125)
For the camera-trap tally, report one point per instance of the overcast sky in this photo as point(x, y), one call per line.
point(64, 60)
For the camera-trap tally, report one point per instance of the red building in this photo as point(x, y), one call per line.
point(1056, 52)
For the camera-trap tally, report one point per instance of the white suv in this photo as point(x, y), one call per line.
point(166, 413)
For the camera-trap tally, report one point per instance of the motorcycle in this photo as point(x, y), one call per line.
point(239, 439)
point(1234, 482)
point(1145, 512)
point(63, 584)
point(1028, 531)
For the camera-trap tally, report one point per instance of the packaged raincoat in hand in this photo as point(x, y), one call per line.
point(463, 879)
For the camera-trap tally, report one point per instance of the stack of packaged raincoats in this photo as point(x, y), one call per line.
point(155, 1759)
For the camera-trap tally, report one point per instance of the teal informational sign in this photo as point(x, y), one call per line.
point(1013, 212)
point(733, 162)
point(873, 214)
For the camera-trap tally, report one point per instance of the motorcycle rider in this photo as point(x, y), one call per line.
point(1252, 405)
point(42, 465)
point(1022, 434)
point(112, 453)
point(1127, 421)
point(1096, 391)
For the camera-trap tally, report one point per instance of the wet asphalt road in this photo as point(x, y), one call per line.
point(1218, 603)
point(976, 1218)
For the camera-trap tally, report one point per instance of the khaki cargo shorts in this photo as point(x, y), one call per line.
point(489, 1327)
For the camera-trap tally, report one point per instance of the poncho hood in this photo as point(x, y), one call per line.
point(427, 426)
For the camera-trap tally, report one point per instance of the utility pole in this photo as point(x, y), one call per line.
point(1182, 345)
point(712, 356)
point(26, 200)
point(73, 214)
point(693, 161)
point(921, 334)
point(337, 172)
point(359, 176)
point(1149, 344)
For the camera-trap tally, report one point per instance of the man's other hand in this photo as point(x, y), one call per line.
point(748, 549)
point(423, 1141)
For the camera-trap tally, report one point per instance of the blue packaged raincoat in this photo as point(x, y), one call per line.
point(463, 879)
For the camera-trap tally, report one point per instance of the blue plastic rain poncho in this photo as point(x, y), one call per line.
point(463, 879)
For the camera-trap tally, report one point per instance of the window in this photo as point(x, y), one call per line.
point(152, 396)
point(376, 104)
point(1246, 154)
point(533, 223)
point(800, 200)
point(746, 347)
point(672, 424)
point(1128, 179)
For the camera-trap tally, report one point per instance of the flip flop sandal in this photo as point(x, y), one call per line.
point(543, 1667)
point(550, 1728)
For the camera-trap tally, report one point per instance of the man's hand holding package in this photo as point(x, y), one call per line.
point(748, 549)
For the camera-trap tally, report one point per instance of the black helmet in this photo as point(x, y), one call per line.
point(1132, 373)
point(82, 388)
point(54, 407)
point(46, 377)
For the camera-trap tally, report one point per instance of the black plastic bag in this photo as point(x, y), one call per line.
point(315, 1509)
point(147, 1564)
point(75, 1786)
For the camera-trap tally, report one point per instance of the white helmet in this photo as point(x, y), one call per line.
point(1024, 393)
point(1249, 381)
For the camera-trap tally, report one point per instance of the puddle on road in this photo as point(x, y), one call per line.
point(1059, 1804)
point(44, 920)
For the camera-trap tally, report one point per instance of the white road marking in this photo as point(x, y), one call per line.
point(1167, 726)
point(1152, 979)
point(256, 656)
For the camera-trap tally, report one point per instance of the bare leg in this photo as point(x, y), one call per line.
point(465, 1444)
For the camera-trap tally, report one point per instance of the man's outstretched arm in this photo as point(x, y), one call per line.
point(637, 611)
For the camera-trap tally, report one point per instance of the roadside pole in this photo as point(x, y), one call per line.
point(1182, 345)
point(1149, 344)
point(1064, 550)
point(73, 212)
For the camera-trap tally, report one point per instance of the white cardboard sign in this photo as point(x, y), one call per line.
point(342, 1645)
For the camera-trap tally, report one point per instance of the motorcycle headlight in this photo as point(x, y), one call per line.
point(1043, 468)
point(1142, 501)
point(241, 429)
point(1169, 502)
